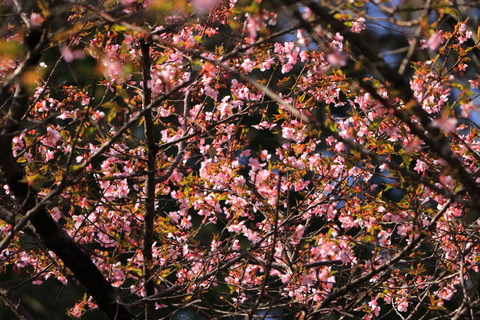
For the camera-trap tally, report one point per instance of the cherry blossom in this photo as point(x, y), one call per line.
point(239, 157)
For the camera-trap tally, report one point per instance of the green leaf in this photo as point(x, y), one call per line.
point(118, 27)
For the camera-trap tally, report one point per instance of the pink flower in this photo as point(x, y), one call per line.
point(464, 34)
point(288, 133)
point(287, 67)
point(445, 123)
point(236, 227)
point(264, 125)
point(403, 229)
point(434, 41)
point(185, 222)
point(337, 58)
point(448, 181)
point(412, 145)
point(302, 40)
point(467, 109)
point(69, 55)
point(210, 92)
point(203, 7)
point(384, 238)
point(375, 307)
point(52, 137)
point(253, 25)
point(340, 147)
point(267, 64)
point(225, 108)
point(251, 235)
point(402, 306)
point(358, 25)
point(420, 166)
point(36, 19)
point(446, 292)
point(304, 56)
point(474, 83)
point(254, 164)
point(56, 213)
point(248, 65)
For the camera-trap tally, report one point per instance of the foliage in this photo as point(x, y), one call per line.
point(242, 159)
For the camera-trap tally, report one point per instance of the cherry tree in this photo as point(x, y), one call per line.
point(242, 159)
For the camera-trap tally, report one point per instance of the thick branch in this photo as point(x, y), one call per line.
point(149, 219)
point(14, 306)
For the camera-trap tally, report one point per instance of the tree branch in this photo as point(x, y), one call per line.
point(149, 218)
point(14, 306)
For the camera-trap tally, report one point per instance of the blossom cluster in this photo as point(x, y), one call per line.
point(273, 172)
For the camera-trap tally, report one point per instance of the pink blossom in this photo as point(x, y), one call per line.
point(28, 156)
point(264, 155)
point(69, 55)
point(447, 124)
point(254, 23)
point(210, 92)
point(56, 213)
point(247, 65)
point(340, 147)
point(467, 109)
point(77, 310)
point(413, 145)
point(337, 41)
point(375, 308)
point(308, 279)
point(288, 55)
point(112, 69)
point(474, 83)
point(287, 67)
point(448, 181)
point(403, 229)
point(186, 223)
point(252, 235)
point(420, 166)
point(464, 35)
point(384, 238)
point(52, 137)
point(347, 221)
point(462, 67)
point(278, 48)
point(49, 155)
point(402, 306)
point(98, 115)
point(203, 7)
point(288, 133)
point(236, 245)
point(358, 25)
point(264, 125)
point(240, 90)
point(236, 227)
point(434, 41)
point(302, 40)
point(337, 58)
point(254, 164)
point(446, 292)
point(267, 64)
point(36, 19)
point(114, 190)
point(304, 56)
